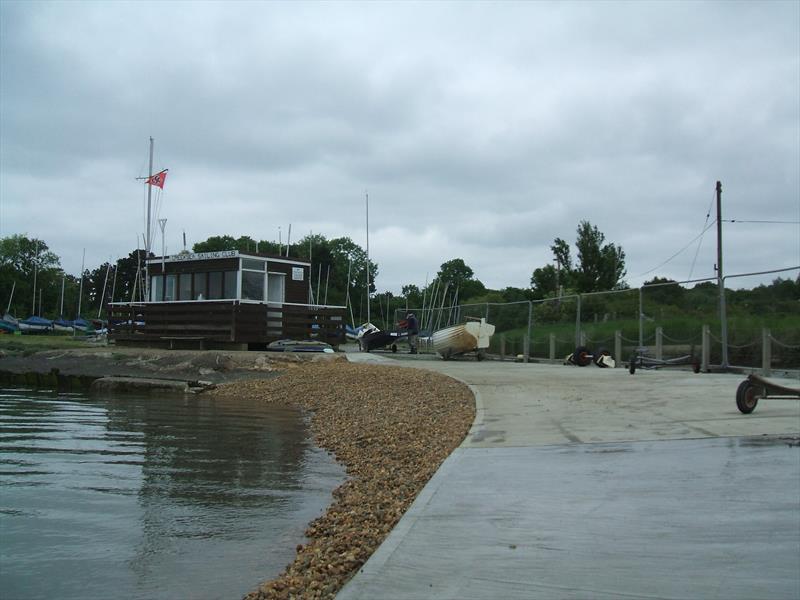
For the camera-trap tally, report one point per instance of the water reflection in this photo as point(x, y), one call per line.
point(152, 497)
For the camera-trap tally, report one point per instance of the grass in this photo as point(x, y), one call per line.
point(28, 344)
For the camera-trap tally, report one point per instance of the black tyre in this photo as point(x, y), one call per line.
point(394, 347)
point(599, 355)
point(747, 396)
point(582, 356)
point(632, 365)
point(696, 366)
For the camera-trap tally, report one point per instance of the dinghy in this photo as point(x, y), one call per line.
point(472, 336)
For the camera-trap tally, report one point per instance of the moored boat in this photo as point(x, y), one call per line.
point(472, 336)
point(35, 325)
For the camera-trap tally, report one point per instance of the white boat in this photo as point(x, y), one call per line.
point(472, 336)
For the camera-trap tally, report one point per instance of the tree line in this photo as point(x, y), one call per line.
point(339, 277)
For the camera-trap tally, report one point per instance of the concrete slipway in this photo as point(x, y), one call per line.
point(594, 483)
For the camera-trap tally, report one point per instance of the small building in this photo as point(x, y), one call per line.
point(227, 299)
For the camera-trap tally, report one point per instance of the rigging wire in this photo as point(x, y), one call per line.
point(700, 243)
point(679, 251)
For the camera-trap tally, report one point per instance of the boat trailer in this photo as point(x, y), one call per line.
point(640, 360)
point(756, 388)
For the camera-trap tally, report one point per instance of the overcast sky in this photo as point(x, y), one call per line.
point(481, 131)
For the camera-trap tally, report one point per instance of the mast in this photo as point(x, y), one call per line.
point(367, 197)
point(11, 297)
point(35, 272)
point(61, 308)
point(149, 209)
point(103, 297)
point(80, 289)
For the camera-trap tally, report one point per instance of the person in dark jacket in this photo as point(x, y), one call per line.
point(413, 329)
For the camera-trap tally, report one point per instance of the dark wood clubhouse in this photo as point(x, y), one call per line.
point(226, 299)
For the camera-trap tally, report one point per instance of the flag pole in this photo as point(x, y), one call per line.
point(149, 206)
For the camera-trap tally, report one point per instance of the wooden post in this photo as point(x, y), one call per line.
point(618, 346)
point(552, 346)
point(766, 352)
point(659, 343)
point(706, 351)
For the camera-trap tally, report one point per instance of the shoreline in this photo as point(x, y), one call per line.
point(390, 427)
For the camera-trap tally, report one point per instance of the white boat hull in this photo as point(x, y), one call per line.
point(471, 336)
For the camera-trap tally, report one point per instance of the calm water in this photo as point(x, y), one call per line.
point(151, 497)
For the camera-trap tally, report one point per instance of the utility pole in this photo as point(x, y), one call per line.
point(721, 281)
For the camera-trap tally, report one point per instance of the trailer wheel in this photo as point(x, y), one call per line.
point(747, 396)
point(481, 355)
point(394, 347)
point(582, 356)
point(632, 365)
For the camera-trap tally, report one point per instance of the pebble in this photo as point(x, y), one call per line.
point(391, 427)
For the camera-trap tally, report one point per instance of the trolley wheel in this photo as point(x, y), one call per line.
point(600, 354)
point(747, 396)
point(582, 356)
point(632, 365)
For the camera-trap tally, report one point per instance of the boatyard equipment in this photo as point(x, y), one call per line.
point(756, 388)
point(583, 357)
point(642, 361)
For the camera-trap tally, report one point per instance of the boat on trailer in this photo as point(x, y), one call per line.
point(471, 336)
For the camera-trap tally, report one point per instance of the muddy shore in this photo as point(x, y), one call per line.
point(390, 427)
point(209, 365)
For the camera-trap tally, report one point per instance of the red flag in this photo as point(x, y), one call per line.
point(158, 179)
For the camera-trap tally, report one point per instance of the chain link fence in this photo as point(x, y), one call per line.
point(654, 319)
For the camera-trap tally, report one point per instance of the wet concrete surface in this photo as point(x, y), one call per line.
point(592, 483)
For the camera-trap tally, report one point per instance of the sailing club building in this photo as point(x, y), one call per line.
point(227, 299)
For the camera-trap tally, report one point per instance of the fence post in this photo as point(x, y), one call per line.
point(526, 349)
point(618, 346)
point(582, 338)
point(659, 343)
point(552, 346)
point(502, 346)
point(578, 322)
point(527, 346)
point(487, 312)
point(706, 350)
point(766, 352)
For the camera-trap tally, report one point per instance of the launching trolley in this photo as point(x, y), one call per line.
point(756, 388)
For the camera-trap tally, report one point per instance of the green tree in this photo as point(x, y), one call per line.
point(663, 292)
point(543, 282)
point(600, 266)
point(460, 277)
point(23, 260)
point(216, 243)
